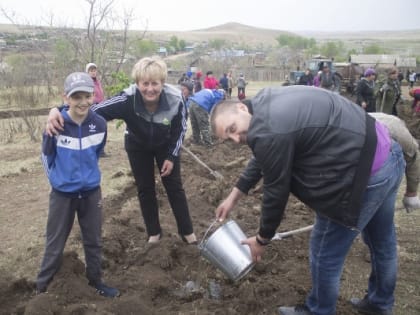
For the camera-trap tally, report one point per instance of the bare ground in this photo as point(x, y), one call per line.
point(171, 277)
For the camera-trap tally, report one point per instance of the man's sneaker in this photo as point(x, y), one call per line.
point(40, 290)
point(294, 310)
point(363, 306)
point(106, 291)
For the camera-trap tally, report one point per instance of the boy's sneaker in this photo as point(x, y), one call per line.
point(106, 291)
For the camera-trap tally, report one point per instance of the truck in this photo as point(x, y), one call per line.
point(347, 73)
point(350, 74)
point(295, 75)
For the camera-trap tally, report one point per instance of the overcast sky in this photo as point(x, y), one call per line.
point(184, 15)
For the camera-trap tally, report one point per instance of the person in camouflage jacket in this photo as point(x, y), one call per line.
point(388, 93)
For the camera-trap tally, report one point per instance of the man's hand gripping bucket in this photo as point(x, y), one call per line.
point(224, 250)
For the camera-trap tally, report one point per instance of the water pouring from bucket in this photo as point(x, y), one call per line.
point(224, 250)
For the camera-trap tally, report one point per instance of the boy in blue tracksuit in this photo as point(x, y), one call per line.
point(200, 105)
point(70, 160)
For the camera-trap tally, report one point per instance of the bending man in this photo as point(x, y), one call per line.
point(336, 159)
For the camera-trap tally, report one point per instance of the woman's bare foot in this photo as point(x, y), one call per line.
point(189, 239)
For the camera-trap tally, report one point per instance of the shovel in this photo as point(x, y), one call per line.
point(383, 98)
point(280, 236)
point(216, 174)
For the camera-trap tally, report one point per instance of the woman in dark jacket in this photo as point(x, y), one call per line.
point(155, 116)
point(366, 91)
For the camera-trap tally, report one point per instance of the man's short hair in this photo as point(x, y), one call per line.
point(225, 107)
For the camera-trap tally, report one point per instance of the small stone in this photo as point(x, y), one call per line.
point(215, 290)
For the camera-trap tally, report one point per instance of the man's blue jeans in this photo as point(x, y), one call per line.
point(330, 242)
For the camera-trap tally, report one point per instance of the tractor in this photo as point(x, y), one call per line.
point(317, 64)
point(350, 74)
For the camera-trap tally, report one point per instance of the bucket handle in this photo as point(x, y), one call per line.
point(207, 232)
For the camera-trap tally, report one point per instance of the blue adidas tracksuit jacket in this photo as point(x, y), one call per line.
point(71, 159)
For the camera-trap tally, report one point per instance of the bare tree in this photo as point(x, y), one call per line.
point(127, 20)
point(47, 75)
point(99, 12)
point(104, 40)
point(107, 37)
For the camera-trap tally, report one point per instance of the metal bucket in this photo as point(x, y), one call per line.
point(224, 250)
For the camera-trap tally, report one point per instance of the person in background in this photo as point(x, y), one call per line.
point(155, 116)
point(201, 104)
point(400, 76)
point(197, 81)
point(340, 162)
point(415, 94)
point(92, 70)
point(306, 78)
point(189, 76)
point(412, 78)
point(187, 90)
point(388, 93)
point(210, 81)
point(286, 81)
point(230, 85)
point(183, 78)
point(328, 80)
point(407, 75)
point(224, 83)
point(317, 79)
point(241, 84)
point(410, 147)
point(75, 177)
point(365, 91)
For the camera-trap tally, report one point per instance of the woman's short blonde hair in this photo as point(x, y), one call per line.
point(150, 68)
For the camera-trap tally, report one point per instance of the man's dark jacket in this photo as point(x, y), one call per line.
point(312, 143)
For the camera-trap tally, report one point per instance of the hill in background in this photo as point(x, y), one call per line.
point(231, 32)
point(254, 36)
point(405, 42)
point(251, 36)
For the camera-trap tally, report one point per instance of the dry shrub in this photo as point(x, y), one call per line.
point(13, 128)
